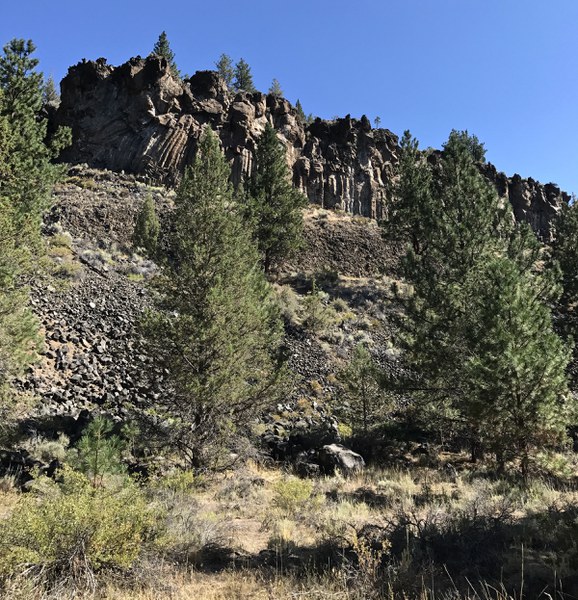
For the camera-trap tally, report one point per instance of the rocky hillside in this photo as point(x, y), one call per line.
point(139, 119)
point(90, 307)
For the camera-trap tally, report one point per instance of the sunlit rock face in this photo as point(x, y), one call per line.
point(138, 118)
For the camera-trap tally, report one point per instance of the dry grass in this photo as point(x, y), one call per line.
point(257, 512)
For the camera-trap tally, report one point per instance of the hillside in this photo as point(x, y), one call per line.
point(388, 411)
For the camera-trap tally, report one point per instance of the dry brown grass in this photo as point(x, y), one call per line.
point(253, 511)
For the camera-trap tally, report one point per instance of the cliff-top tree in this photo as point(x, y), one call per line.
point(163, 48)
point(225, 69)
point(243, 78)
point(50, 96)
point(217, 329)
point(275, 88)
point(477, 329)
point(273, 206)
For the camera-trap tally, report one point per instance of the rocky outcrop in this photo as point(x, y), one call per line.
point(138, 118)
point(532, 202)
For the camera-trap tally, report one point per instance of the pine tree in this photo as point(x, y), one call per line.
point(273, 204)
point(50, 96)
point(217, 330)
point(225, 69)
point(162, 48)
point(458, 236)
point(99, 451)
point(147, 228)
point(300, 111)
point(275, 88)
point(243, 78)
point(26, 179)
point(363, 392)
point(515, 370)
point(18, 327)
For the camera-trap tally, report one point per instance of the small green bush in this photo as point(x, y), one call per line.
point(74, 530)
point(292, 493)
point(147, 228)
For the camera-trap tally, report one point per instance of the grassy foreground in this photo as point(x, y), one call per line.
point(420, 531)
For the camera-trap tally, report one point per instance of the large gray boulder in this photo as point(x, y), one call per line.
point(335, 457)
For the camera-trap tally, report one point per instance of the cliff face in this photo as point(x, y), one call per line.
point(138, 118)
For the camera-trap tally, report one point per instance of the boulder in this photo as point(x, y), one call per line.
point(335, 457)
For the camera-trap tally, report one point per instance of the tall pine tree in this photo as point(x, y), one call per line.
point(243, 77)
point(26, 179)
point(274, 206)
point(225, 69)
point(162, 48)
point(217, 330)
point(467, 262)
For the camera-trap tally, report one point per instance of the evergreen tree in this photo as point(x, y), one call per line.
point(147, 228)
point(515, 371)
point(217, 331)
point(162, 48)
point(225, 69)
point(50, 96)
point(99, 451)
point(300, 111)
point(26, 179)
point(275, 88)
point(565, 257)
point(273, 204)
point(365, 397)
point(243, 78)
point(18, 327)
point(457, 233)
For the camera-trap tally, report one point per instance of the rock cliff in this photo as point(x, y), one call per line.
point(138, 118)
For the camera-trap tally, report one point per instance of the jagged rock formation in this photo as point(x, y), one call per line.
point(138, 118)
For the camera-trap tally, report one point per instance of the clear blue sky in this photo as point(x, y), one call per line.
point(506, 70)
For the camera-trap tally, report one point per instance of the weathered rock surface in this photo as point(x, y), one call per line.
point(138, 118)
point(337, 457)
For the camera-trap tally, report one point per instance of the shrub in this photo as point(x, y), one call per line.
point(147, 228)
point(317, 315)
point(292, 493)
point(74, 530)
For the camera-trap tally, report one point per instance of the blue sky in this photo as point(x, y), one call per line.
point(506, 70)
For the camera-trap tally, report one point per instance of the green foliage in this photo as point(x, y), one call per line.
point(275, 88)
point(225, 69)
point(273, 205)
point(366, 400)
point(316, 313)
point(300, 111)
point(98, 451)
point(514, 374)
point(50, 96)
point(162, 48)
point(147, 228)
point(26, 179)
point(243, 78)
point(476, 330)
point(291, 493)
point(75, 530)
point(305, 119)
point(470, 143)
point(217, 330)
